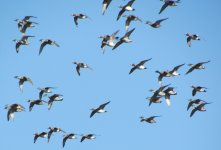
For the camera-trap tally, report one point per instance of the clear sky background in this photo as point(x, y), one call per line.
point(120, 127)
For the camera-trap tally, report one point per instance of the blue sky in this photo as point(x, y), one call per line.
point(120, 128)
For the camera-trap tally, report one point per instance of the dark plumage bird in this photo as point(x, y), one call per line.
point(160, 91)
point(108, 40)
point(52, 130)
point(99, 109)
point(198, 89)
point(54, 97)
point(156, 24)
point(174, 72)
point(42, 135)
point(200, 107)
point(139, 66)
point(129, 19)
point(68, 136)
point(162, 74)
point(168, 92)
point(198, 66)
point(23, 79)
point(12, 108)
point(124, 39)
point(35, 102)
point(154, 99)
point(149, 119)
point(105, 5)
point(88, 136)
point(22, 41)
point(168, 3)
point(23, 25)
point(45, 42)
point(192, 102)
point(80, 65)
point(191, 37)
point(127, 7)
point(44, 90)
point(79, 16)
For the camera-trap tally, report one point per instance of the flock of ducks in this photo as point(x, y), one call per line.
point(113, 41)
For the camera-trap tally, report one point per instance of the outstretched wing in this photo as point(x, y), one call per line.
point(50, 102)
point(117, 44)
point(132, 70)
point(93, 112)
point(143, 62)
point(163, 7)
point(190, 70)
point(129, 33)
point(31, 106)
point(105, 5)
point(103, 105)
point(49, 134)
point(78, 69)
point(192, 112)
point(35, 138)
point(120, 13)
point(43, 44)
point(127, 23)
point(18, 44)
point(29, 80)
point(83, 138)
point(177, 67)
point(76, 21)
point(188, 40)
point(189, 105)
point(10, 115)
point(159, 21)
point(64, 140)
point(194, 92)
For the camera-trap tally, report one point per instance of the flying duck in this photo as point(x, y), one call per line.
point(124, 39)
point(88, 136)
point(23, 79)
point(79, 16)
point(129, 19)
point(200, 107)
point(51, 130)
point(168, 92)
point(149, 119)
point(192, 102)
point(198, 66)
point(191, 37)
point(80, 65)
point(162, 74)
point(156, 24)
point(174, 71)
point(12, 108)
point(198, 89)
point(23, 25)
point(44, 90)
point(160, 91)
point(35, 102)
point(139, 66)
point(127, 7)
point(22, 41)
point(105, 5)
point(99, 109)
point(54, 97)
point(168, 3)
point(45, 42)
point(42, 135)
point(68, 136)
point(154, 99)
point(108, 40)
